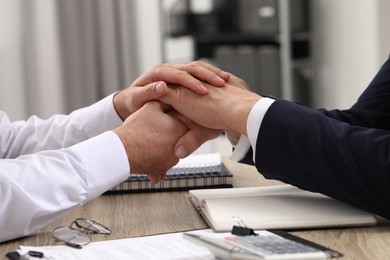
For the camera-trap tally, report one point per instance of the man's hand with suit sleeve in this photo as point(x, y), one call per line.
point(226, 108)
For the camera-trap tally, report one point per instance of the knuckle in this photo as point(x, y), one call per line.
point(158, 67)
point(181, 74)
point(198, 63)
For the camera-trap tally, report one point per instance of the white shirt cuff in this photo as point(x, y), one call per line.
point(241, 149)
point(105, 162)
point(253, 124)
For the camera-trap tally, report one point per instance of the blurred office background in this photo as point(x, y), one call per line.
point(57, 55)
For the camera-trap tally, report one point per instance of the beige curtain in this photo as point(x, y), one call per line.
point(59, 55)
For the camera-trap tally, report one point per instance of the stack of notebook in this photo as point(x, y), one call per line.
point(198, 171)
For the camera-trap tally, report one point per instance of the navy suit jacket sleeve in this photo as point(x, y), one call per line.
point(344, 154)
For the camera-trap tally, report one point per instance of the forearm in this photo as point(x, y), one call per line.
point(59, 131)
point(38, 189)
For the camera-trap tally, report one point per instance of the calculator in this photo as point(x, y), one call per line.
point(268, 246)
point(274, 247)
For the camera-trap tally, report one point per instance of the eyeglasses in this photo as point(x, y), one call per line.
point(79, 231)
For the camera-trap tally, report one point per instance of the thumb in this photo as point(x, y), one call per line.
point(193, 139)
point(156, 178)
point(142, 95)
point(154, 90)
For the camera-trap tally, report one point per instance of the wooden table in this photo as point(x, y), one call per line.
point(131, 215)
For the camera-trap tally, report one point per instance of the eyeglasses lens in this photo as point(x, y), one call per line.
point(70, 235)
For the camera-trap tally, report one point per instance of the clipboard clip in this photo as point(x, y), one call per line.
point(241, 229)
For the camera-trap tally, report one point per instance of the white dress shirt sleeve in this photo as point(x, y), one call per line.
point(38, 188)
point(59, 131)
point(255, 118)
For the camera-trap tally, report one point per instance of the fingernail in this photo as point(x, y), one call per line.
point(181, 152)
point(224, 74)
point(160, 88)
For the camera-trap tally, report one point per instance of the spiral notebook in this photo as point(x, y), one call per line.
point(197, 171)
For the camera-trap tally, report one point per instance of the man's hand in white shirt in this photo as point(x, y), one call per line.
point(51, 166)
point(149, 136)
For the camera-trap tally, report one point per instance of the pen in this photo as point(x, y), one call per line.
point(73, 245)
point(16, 256)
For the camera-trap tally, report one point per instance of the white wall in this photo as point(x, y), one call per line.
point(383, 29)
point(350, 45)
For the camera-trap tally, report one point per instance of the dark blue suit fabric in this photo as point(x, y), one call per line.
point(344, 154)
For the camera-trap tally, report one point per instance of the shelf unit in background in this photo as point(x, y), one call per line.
point(265, 42)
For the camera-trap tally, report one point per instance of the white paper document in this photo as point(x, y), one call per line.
point(166, 246)
point(180, 246)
